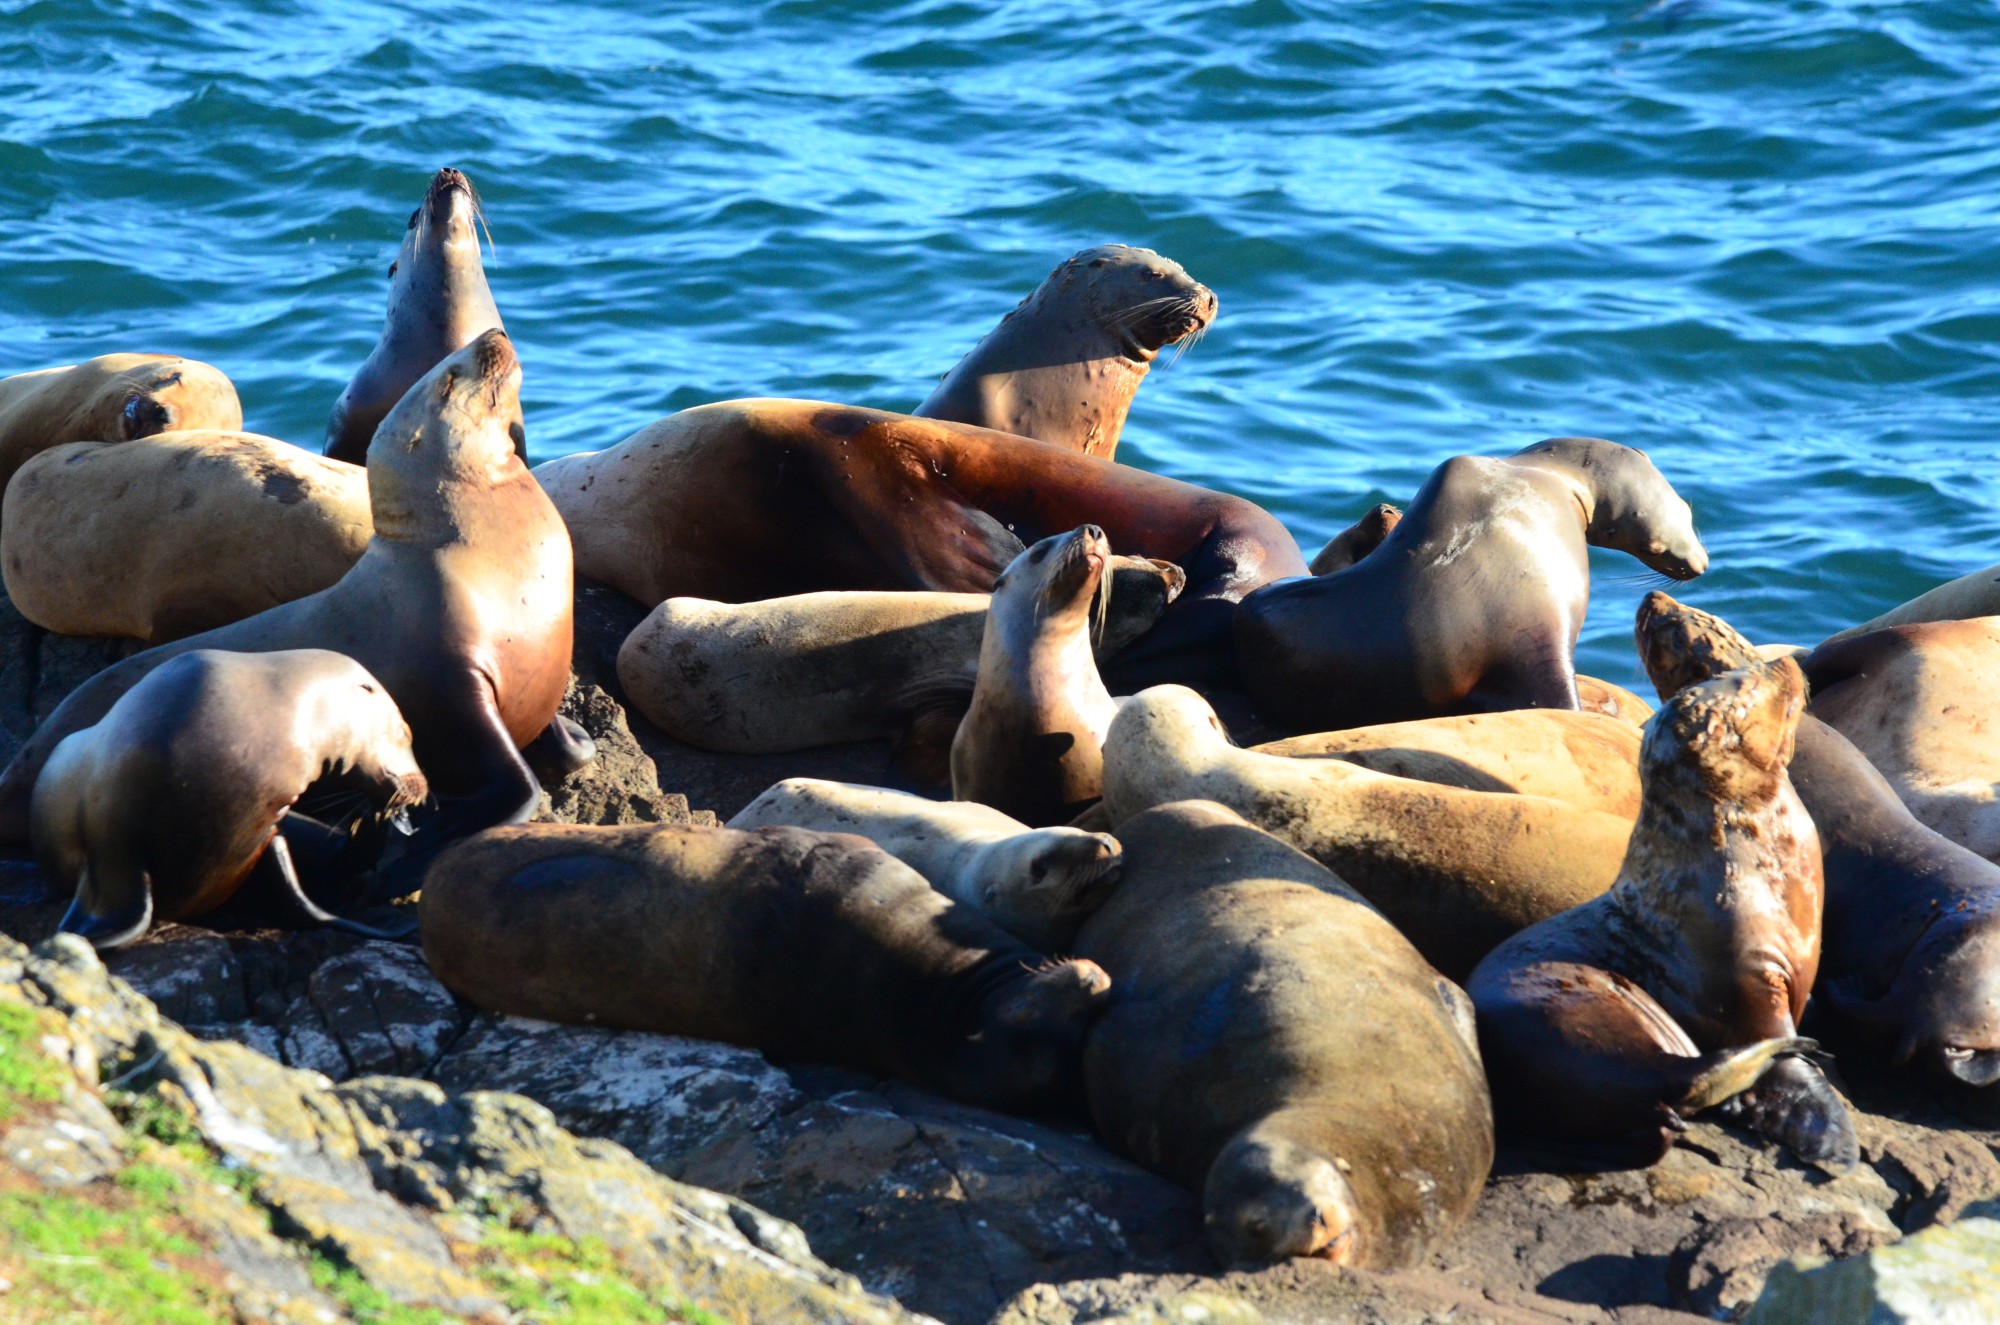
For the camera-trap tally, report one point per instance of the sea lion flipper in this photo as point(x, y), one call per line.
point(284, 901)
point(509, 793)
point(1795, 1105)
point(113, 906)
point(936, 539)
point(1727, 1073)
point(562, 748)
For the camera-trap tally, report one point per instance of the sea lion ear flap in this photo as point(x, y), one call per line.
point(1058, 993)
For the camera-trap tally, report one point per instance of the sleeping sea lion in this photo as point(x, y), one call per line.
point(1910, 961)
point(112, 398)
point(1064, 365)
point(1683, 986)
point(176, 533)
point(1918, 700)
point(1474, 600)
point(1455, 870)
point(461, 606)
point(1613, 701)
point(761, 498)
point(1038, 884)
point(1032, 742)
point(1273, 1043)
point(438, 301)
point(825, 668)
point(184, 792)
point(803, 945)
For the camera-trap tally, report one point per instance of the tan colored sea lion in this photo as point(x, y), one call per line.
point(1273, 1043)
point(461, 606)
point(1973, 595)
point(1357, 540)
point(1612, 701)
point(181, 794)
point(825, 668)
point(803, 945)
point(1064, 365)
point(1031, 743)
point(1038, 884)
point(1683, 986)
point(177, 533)
point(1581, 759)
point(761, 498)
point(1457, 871)
point(1919, 701)
point(438, 302)
point(1474, 601)
point(1910, 962)
point(112, 398)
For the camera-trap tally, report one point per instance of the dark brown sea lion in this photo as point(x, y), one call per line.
point(816, 946)
point(1032, 742)
point(1911, 959)
point(461, 604)
point(1276, 1045)
point(761, 498)
point(1474, 600)
point(1357, 540)
point(112, 398)
point(1064, 365)
point(1682, 986)
point(181, 794)
point(438, 302)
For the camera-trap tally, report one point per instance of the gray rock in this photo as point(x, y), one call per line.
point(1941, 1276)
point(376, 1009)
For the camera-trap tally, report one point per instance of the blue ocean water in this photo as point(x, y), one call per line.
point(1759, 238)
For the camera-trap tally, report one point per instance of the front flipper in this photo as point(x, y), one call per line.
point(272, 897)
point(1793, 1104)
point(563, 748)
point(909, 514)
point(508, 794)
point(113, 906)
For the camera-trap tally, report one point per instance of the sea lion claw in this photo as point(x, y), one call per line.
point(1794, 1105)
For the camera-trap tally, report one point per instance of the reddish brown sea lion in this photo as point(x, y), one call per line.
point(1276, 1045)
point(1474, 600)
point(1683, 985)
point(181, 795)
point(438, 301)
point(816, 946)
point(461, 604)
point(112, 398)
point(1911, 958)
point(761, 498)
point(1064, 365)
point(1357, 540)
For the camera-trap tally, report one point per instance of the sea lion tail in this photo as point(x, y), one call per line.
point(1727, 1073)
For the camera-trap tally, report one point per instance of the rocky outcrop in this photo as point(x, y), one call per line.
point(1942, 1276)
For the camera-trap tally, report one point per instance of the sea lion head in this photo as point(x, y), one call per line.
point(1269, 1199)
point(1633, 508)
point(1028, 1052)
point(173, 395)
point(1060, 576)
point(1682, 646)
point(1143, 301)
point(459, 425)
point(1044, 883)
point(1946, 998)
point(1727, 739)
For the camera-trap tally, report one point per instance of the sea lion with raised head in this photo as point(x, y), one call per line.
point(811, 946)
point(1357, 540)
point(1274, 1044)
point(1474, 601)
point(1032, 742)
point(1064, 365)
point(185, 792)
point(1682, 987)
point(1910, 960)
point(1455, 870)
point(1038, 884)
point(1919, 701)
point(177, 533)
point(758, 499)
point(112, 398)
point(461, 606)
point(825, 668)
point(438, 302)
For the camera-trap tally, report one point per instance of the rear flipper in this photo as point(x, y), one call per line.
point(1794, 1105)
point(112, 907)
point(563, 748)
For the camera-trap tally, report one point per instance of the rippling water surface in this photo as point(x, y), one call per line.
point(1760, 238)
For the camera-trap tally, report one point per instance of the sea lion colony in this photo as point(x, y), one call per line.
point(1243, 967)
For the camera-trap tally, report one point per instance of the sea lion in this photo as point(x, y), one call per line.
point(1456, 870)
point(1032, 742)
point(176, 533)
point(438, 302)
point(112, 398)
point(1910, 961)
point(1064, 365)
point(1974, 595)
point(1683, 986)
point(1273, 1043)
point(1356, 541)
point(184, 792)
point(825, 668)
point(1612, 701)
point(1581, 759)
point(1038, 884)
point(1474, 600)
point(803, 945)
point(1918, 700)
point(461, 606)
point(762, 498)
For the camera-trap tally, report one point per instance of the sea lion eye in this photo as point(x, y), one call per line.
point(392, 269)
point(413, 219)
